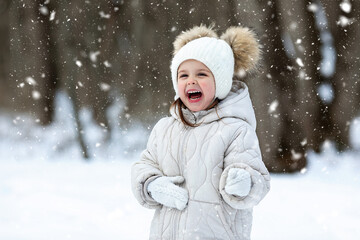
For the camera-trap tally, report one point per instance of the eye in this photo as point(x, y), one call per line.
point(183, 75)
point(202, 74)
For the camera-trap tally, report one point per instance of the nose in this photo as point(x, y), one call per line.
point(191, 81)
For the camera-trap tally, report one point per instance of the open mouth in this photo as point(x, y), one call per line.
point(194, 95)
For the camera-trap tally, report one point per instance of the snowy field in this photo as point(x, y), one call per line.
point(48, 192)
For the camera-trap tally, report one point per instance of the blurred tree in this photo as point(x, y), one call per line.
point(4, 51)
point(266, 89)
point(147, 96)
point(290, 50)
point(33, 69)
point(344, 25)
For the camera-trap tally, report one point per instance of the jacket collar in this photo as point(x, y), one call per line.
point(236, 105)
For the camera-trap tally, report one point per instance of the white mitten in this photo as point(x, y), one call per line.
point(164, 191)
point(238, 182)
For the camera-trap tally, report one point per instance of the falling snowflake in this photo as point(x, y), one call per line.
point(78, 63)
point(105, 87)
point(36, 95)
point(303, 142)
point(302, 74)
point(107, 64)
point(345, 6)
point(273, 106)
point(44, 10)
point(313, 7)
point(294, 155)
point(344, 21)
point(52, 15)
point(299, 62)
point(103, 15)
point(241, 73)
point(93, 56)
point(31, 81)
point(15, 121)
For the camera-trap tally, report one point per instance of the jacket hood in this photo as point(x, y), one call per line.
point(236, 105)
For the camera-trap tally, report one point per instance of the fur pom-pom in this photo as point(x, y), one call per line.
point(245, 47)
point(192, 34)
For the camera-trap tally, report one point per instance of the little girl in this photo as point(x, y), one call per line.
point(202, 169)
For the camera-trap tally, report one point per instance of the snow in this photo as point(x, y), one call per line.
point(93, 56)
point(345, 6)
point(44, 10)
point(344, 21)
point(105, 87)
point(52, 16)
point(299, 62)
point(35, 95)
point(313, 7)
point(107, 64)
point(48, 192)
point(78, 63)
point(31, 81)
point(104, 15)
point(273, 106)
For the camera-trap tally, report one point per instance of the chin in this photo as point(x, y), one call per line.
point(195, 108)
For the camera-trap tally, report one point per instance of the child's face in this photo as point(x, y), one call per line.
point(196, 85)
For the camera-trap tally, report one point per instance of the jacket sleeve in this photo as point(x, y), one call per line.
point(244, 152)
point(146, 170)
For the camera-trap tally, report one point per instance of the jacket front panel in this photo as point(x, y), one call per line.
point(197, 154)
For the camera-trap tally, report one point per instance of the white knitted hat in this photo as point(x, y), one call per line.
point(216, 54)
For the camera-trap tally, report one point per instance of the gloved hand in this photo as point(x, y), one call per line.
point(164, 191)
point(238, 182)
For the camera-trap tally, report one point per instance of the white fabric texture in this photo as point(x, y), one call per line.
point(204, 156)
point(238, 182)
point(165, 191)
point(216, 54)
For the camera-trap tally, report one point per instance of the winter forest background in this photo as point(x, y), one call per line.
point(82, 83)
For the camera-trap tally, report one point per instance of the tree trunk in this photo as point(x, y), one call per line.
point(346, 80)
point(5, 52)
point(33, 60)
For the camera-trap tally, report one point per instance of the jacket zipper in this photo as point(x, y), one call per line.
point(182, 161)
point(182, 166)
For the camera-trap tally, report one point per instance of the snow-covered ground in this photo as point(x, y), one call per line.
point(48, 192)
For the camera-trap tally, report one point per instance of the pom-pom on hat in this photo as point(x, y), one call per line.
point(236, 50)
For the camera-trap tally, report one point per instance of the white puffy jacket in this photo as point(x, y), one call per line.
point(203, 155)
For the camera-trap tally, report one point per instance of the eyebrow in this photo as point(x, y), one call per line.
point(202, 69)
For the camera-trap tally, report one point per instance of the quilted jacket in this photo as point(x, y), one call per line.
point(203, 155)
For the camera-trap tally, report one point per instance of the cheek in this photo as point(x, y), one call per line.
point(180, 87)
point(210, 89)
